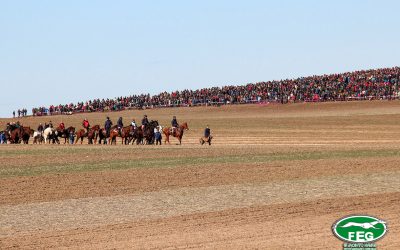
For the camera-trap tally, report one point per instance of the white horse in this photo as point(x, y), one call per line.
point(38, 137)
point(49, 132)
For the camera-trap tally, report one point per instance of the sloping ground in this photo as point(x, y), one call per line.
point(280, 182)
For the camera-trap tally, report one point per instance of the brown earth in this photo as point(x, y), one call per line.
point(276, 177)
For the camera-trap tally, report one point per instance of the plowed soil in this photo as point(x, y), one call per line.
point(276, 177)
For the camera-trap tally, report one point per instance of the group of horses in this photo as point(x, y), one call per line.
point(96, 134)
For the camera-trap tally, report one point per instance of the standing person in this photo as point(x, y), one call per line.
point(144, 121)
point(157, 134)
point(107, 125)
point(174, 124)
point(19, 113)
point(2, 137)
point(86, 125)
point(71, 136)
point(14, 114)
point(120, 125)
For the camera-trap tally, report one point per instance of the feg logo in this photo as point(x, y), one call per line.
point(359, 229)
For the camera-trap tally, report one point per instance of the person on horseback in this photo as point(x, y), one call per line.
point(174, 124)
point(120, 125)
point(86, 125)
point(144, 121)
point(61, 126)
point(133, 124)
point(50, 124)
point(40, 128)
point(107, 125)
point(207, 132)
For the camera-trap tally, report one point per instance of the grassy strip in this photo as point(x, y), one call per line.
point(191, 161)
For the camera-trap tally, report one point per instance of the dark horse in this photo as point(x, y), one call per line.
point(148, 132)
point(27, 132)
point(178, 132)
point(64, 133)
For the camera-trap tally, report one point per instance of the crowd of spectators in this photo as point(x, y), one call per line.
point(359, 85)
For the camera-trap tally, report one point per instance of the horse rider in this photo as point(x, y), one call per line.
point(50, 124)
point(86, 125)
point(107, 125)
point(133, 124)
point(144, 121)
point(40, 128)
point(61, 126)
point(207, 132)
point(174, 124)
point(120, 125)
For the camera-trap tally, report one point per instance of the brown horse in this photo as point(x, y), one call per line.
point(16, 135)
point(27, 132)
point(178, 132)
point(126, 134)
point(93, 134)
point(80, 134)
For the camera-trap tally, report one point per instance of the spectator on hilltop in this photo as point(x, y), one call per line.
point(357, 85)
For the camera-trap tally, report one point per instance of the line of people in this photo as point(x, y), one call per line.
point(357, 85)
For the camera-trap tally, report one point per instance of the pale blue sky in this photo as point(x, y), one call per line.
point(54, 52)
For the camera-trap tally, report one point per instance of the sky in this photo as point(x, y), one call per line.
point(57, 52)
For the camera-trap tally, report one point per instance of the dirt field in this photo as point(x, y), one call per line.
point(276, 177)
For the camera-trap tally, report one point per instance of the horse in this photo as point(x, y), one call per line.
point(80, 134)
point(206, 140)
point(126, 134)
point(50, 134)
point(178, 132)
point(148, 132)
point(93, 134)
point(27, 132)
point(15, 135)
point(64, 133)
point(103, 136)
point(38, 137)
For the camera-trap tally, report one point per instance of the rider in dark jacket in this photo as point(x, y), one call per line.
point(144, 121)
point(107, 125)
point(207, 132)
point(174, 124)
point(120, 125)
point(40, 128)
